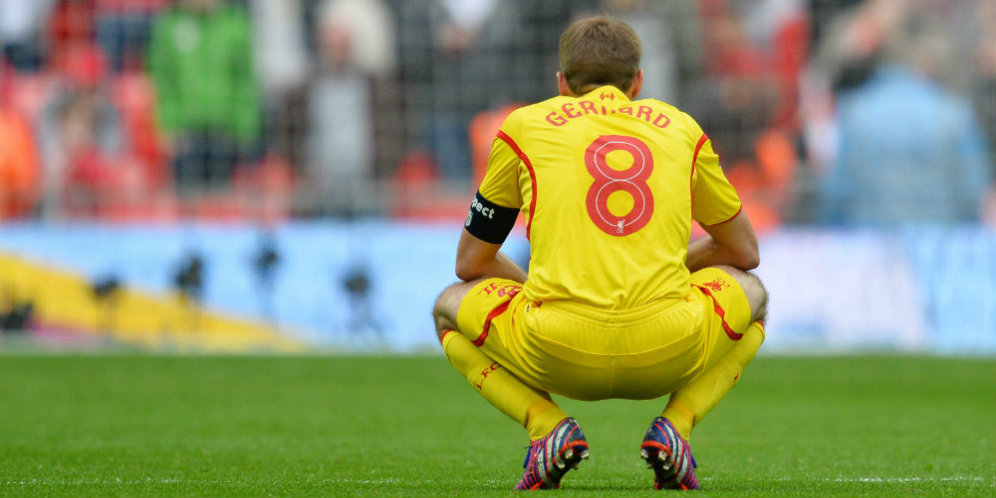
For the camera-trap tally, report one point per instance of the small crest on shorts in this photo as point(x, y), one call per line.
point(716, 284)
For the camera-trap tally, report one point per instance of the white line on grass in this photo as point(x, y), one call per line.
point(908, 479)
point(877, 479)
point(175, 480)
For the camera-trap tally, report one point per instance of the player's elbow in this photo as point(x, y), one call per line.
point(464, 274)
point(748, 258)
point(467, 270)
point(744, 251)
point(751, 262)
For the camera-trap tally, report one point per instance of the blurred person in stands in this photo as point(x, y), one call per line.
point(746, 97)
point(19, 171)
point(123, 28)
point(906, 147)
point(983, 87)
point(452, 53)
point(734, 99)
point(355, 41)
point(669, 32)
point(21, 25)
point(80, 134)
point(845, 48)
point(283, 67)
point(71, 25)
point(201, 62)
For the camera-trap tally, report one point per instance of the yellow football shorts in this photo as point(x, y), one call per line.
point(588, 354)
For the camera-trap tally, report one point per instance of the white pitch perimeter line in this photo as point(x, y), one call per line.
point(900, 479)
point(172, 480)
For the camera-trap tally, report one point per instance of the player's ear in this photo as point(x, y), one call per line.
point(634, 89)
point(565, 91)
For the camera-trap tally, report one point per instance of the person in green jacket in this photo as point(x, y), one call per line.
point(200, 60)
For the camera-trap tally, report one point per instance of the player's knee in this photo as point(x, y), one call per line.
point(441, 313)
point(444, 312)
point(757, 295)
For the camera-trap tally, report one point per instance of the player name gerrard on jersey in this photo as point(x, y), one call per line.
point(586, 107)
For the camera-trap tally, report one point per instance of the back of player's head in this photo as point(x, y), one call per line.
point(599, 51)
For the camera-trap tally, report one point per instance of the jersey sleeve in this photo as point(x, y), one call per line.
point(714, 200)
point(494, 209)
point(501, 180)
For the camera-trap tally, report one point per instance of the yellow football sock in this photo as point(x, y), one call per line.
point(527, 406)
point(690, 404)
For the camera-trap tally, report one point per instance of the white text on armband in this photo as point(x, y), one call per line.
point(489, 221)
point(481, 208)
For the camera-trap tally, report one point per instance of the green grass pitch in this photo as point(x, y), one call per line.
point(138, 425)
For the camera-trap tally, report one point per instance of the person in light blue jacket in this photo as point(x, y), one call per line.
point(910, 151)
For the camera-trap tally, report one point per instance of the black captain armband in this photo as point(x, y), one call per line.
point(489, 221)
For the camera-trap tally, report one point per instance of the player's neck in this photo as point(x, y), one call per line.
point(588, 88)
point(584, 90)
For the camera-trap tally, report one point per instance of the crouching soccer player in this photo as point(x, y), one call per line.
point(617, 303)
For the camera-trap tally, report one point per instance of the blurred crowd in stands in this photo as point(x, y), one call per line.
point(868, 112)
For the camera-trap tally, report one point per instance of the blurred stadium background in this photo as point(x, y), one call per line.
point(292, 175)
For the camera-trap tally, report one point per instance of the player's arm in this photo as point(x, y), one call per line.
point(732, 243)
point(490, 219)
point(487, 226)
point(718, 209)
point(479, 259)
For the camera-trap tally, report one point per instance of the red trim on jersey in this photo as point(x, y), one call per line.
point(731, 217)
point(487, 322)
point(695, 159)
point(532, 176)
point(732, 334)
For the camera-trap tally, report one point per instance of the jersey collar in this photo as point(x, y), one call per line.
point(607, 92)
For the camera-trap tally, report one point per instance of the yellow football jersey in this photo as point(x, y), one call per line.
point(609, 188)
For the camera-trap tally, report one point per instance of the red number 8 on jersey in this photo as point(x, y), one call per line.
point(607, 180)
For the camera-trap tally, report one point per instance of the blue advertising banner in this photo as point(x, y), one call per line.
point(371, 284)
